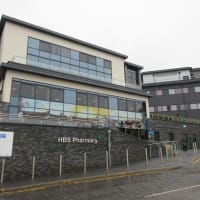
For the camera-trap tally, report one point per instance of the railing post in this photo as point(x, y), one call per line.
point(33, 168)
point(107, 161)
point(85, 162)
point(60, 168)
point(161, 157)
point(3, 169)
point(166, 149)
point(196, 146)
point(127, 158)
point(146, 155)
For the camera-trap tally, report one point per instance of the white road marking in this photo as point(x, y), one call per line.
point(171, 191)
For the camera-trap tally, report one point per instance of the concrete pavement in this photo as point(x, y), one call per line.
point(153, 166)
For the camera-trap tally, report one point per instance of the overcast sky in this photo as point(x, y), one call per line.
point(157, 34)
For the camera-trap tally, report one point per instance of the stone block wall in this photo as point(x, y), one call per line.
point(42, 142)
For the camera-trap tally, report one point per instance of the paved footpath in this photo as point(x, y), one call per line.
point(154, 166)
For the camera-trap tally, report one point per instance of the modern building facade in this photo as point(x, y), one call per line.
point(45, 73)
point(174, 91)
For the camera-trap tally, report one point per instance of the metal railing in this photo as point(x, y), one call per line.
point(157, 116)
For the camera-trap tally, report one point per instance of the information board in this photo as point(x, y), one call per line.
point(6, 143)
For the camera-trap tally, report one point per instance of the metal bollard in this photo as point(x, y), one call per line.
point(85, 162)
point(3, 169)
point(33, 168)
point(107, 162)
point(127, 158)
point(196, 146)
point(146, 154)
point(166, 149)
point(60, 168)
point(161, 156)
point(150, 156)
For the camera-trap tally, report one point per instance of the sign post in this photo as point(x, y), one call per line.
point(6, 146)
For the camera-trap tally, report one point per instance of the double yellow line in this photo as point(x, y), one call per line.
point(43, 186)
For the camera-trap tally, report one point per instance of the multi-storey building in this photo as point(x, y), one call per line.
point(174, 91)
point(45, 73)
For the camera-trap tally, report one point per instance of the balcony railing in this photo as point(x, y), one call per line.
point(157, 116)
point(115, 81)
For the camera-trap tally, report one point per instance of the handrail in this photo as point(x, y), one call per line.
point(158, 116)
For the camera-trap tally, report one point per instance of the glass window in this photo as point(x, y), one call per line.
point(27, 90)
point(131, 105)
point(70, 107)
point(83, 70)
point(193, 106)
point(173, 107)
point(100, 69)
point(32, 51)
point(42, 104)
point(197, 89)
point(55, 57)
point(93, 67)
point(84, 57)
point(33, 43)
point(92, 100)
point(44, 54)
point(185, 90)
point(65, 52)
point(151, 109)
point(13, 110)
point(15, 88)
point(27, 104)
point(107, 63)
point(65, 60)
point(45, 46)
point(83, 64)
point(159, 92)
point(138, 106)
point(57, 95)
point(55, 63)
point(70, 96)
point(164, 108)
point(81, 109)
point(81, 98)
point(178, 91)
point(122, 104)
point(74, 55)
point(55, 49)
point(56, 106)
point(100, 62)
point(103, 102)
point(113, 103)
point(75, 62)
point(14, 101)
point(92, 59)
point(113, 112)
point(108, 71)
point(182, 107)
point(42, 93)
point(171, 91)
point(159, 108)
point(33, 60)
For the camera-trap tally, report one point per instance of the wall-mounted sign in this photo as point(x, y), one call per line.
point(6, 143)
point(151, 132)
point(77, 140)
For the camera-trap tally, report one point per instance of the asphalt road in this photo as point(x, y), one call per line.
point(177, 184)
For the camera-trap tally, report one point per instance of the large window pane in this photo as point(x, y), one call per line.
point(42, 104)
point(92, 100)
point(45, 46)
point(93, 110)
point(84, 57)
point(65, 52)
point(113, 103)
point(131, 105)
point(81, 109)
point(70, 96)
point(27, 90)
point(81, 98)
point(139, 106)
point(69, 107)
point(33, 43)
point(32, 51)
point(14, 101)
point(113, 112)
point(15, 88)
point(42, 93)
point(107, 63)
point(27, 105)
point(103, 102)
point(57, 95)
point(74, 55)
point(122, 104)
point(100, 62)
point(92, 59)
point(55, 49)
point(56, 106)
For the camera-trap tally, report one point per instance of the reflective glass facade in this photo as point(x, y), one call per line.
point(41, 99)
point(62, 59)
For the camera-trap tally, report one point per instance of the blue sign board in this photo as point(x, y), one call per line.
point(2, 135)
point(151, 132)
